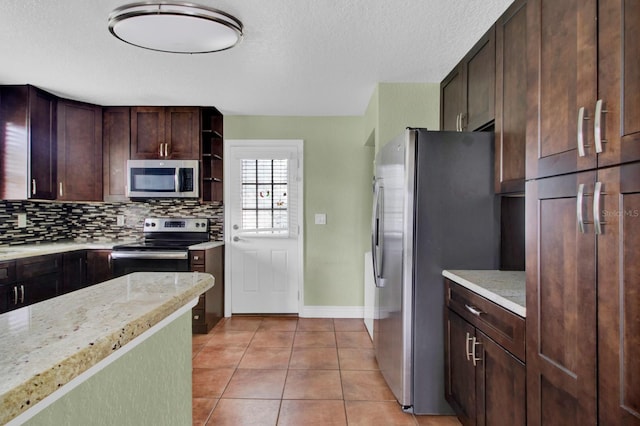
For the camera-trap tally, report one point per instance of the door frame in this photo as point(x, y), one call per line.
point(229, 144)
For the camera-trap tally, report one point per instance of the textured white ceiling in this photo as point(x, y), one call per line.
point(298, 57)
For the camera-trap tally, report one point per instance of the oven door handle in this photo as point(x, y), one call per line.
point(170, 255)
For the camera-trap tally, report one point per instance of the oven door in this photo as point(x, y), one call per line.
point(126, 262)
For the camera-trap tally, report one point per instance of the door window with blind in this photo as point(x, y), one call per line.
point(266, 196)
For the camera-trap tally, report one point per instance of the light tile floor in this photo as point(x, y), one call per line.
point(293, 371)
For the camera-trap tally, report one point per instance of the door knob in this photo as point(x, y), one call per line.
point(236, 239)
point(236, 227)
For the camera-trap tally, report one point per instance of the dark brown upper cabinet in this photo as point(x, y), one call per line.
point(165, 133)
point(467, 94)
point(584, 85)
point(511, 99)
point(116, 136)
point(618, 82)
point(27, 143)
point(79, 151)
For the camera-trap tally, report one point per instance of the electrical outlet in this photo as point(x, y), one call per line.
point(321, 219)
point(120, 220)
point(22, 220)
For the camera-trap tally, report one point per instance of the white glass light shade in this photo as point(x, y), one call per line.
point(175, 27)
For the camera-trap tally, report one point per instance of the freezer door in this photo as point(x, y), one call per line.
point(392, 321)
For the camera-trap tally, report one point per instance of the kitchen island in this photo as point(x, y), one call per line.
point(118, 352)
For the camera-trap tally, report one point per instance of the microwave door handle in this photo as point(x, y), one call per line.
point(178, 179)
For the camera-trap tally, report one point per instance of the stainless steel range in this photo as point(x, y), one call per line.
point(165, 246)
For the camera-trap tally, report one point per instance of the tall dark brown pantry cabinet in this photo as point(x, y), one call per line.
point(583, 212)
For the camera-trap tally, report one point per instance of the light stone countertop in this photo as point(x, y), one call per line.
point(29, 250)
point(46, 345)
point(506, 288)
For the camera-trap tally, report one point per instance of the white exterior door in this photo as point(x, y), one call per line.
point(263, 218)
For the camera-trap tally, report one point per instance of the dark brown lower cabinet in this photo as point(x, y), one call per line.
point(484, 382)
point(583, 298)
point(210, 307)
point(38, 278)
point(98, 266)
point(74, 265)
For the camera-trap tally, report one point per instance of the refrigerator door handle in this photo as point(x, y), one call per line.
point(377, 236)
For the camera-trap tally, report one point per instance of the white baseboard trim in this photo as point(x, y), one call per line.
point(332, 312)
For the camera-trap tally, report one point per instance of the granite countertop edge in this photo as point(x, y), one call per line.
point(25, 395)
point(505, 288)
point(8, 253)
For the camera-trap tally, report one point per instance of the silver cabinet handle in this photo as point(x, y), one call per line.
point(166, 149)
point(21, 293)
point(597, 126)
point(462, 117)
point(467, 350)
point(33, 186)
point(15, 294)
point(581, 118)
point(161, 150)
point(475, 311)
point(61, 193)
point(597, 223)
point(109, 261)
point(475, 358)
point(457, 122)
point(579, 215)
point(579, 212)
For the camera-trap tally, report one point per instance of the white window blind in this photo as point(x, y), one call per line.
point(265, 196)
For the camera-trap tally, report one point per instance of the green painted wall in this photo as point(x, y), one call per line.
point(337, 176)
point(338, 171)
point(150, 385)
point(402, 105)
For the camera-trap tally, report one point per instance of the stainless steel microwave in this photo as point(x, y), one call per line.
point(162, 179)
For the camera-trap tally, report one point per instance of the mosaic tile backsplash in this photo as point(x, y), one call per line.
point(87, 222)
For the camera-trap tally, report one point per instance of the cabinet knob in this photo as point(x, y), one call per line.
point(196, 257)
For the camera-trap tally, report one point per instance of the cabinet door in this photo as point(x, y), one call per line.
point(451, 100)
point(42, 119)
point(480, 74)
point(619, 80)
point(500, 389)
point(561, 61)
point(74, 267)
point(460, 375)
point(79, 151)
point(183, 133)
point(619, 296)
point(561, 302)
point(147, 132)
point(511, 103)
point(38, 278)
point(98, 266)
point(7, 284)
point(115, 143)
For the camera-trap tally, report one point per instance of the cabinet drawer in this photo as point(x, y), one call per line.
point(38, 265)
point(7, 272)
point(500, 324)
point(197, 316)
point(196, 258)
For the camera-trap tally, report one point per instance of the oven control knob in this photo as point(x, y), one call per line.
point(197, 224)
point(204, 225)
point(147, 224)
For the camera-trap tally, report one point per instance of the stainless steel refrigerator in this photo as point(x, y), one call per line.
point(434, 209)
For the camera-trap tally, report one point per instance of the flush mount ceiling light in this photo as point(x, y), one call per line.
point(175, 27)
